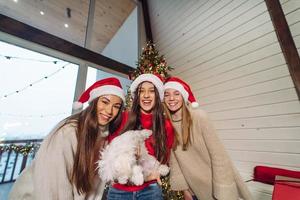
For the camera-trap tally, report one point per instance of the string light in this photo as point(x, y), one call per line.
point(35, 82)
point(33, 116)
point(30, 59)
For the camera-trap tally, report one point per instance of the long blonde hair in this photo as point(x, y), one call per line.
point(186, 125)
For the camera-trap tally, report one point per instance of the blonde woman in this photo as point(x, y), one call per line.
point(199, 165)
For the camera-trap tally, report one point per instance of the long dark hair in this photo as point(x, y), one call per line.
point(158, 123)
point(87, 133)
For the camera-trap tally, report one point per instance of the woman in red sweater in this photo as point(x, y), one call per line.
point(146, 113)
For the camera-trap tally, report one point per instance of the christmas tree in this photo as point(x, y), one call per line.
point(150, 62)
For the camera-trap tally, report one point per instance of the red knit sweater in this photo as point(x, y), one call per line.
point(146, 122)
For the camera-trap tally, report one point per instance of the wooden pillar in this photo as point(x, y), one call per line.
point(286, 41)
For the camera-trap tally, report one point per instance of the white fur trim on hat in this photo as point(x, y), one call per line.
point(77, 105)
point(149, 78)
point(177, 86)
point(107, 89)
point(195, 105)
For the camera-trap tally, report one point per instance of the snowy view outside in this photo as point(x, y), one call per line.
point(30, 112)
point(36, 92)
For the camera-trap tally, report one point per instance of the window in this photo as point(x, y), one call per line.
point(36, 91)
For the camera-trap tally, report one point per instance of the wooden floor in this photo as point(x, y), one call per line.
point(4, 190)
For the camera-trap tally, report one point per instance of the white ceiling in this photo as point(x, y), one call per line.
point(108, 17)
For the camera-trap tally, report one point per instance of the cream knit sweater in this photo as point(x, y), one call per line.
point(48, 177)
point(205, 168)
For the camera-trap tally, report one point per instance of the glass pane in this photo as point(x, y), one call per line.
point(37, 92)
point(123, 47)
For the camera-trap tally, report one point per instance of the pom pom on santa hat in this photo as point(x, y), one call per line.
point(102, 87)
point(185, 90)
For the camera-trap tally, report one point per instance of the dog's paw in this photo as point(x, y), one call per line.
point(137, 177)
point(122, 179)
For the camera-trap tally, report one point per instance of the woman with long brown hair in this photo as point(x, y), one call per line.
point(147, 112)
point(199, 165)
point(64, 167)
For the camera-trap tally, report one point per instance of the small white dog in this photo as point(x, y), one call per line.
point(119, 160)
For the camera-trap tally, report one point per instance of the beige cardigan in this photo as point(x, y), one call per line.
point(48, 177)
point(205, 168)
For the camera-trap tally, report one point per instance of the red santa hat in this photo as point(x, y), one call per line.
point(185, 90)
point(152, 78)
point(105, 86)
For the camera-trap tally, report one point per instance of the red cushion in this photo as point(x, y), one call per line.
point(267, 174)
point(286, 190)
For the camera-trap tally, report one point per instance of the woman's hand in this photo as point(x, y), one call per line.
point(154, 176)
point(187, 195)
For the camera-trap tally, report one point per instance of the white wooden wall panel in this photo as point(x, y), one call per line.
point(290, 6)
point(277, 96)
point(199, 37)
point(292, 107)
point(283, 1)
point(232, 74)
point(293, 17)
point(279, 121)
point(291, 10)
point(259, 88)
point(266, 157)
point(210, 33)
point(285, 133)
point(185, 13)
point(259, 77)
point(227, 50)
point(247, 59)
point(297, 41)
point(248, 167)
point(263, 146)
point(295, 28)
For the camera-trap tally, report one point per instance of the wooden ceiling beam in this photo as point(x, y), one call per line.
point(147, 20)
point(29, 33)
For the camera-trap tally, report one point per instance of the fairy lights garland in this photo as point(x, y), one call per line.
point(21, 149)
point(33, 116)
point(32, 147)
point(35, 82)
point(30, 59)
